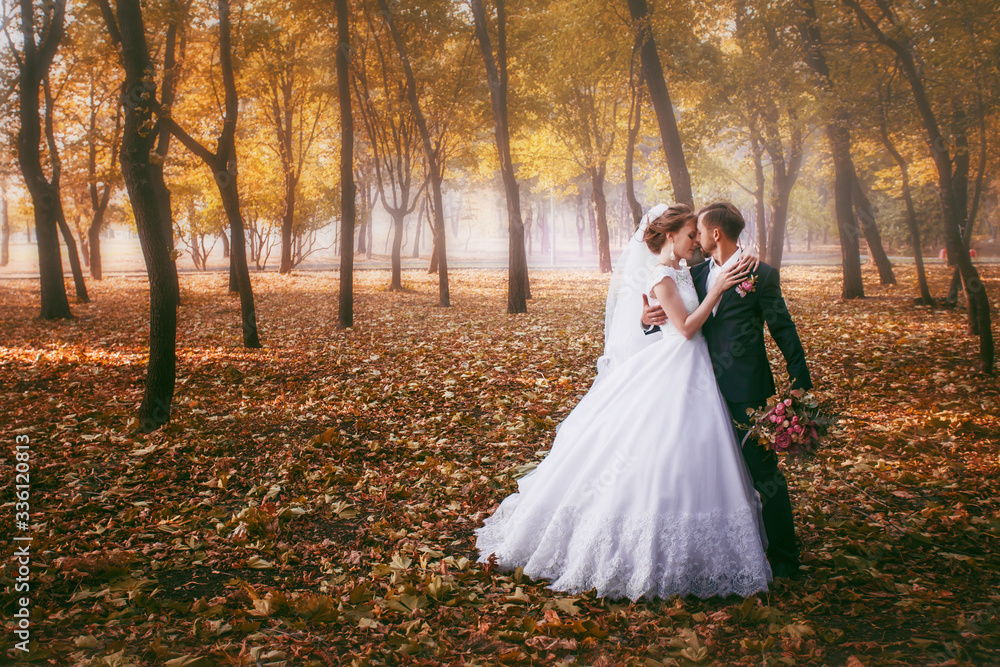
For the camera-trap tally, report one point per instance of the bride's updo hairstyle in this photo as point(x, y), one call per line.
point(670, 222)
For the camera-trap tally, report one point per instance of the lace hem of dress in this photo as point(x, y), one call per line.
point(634, 555)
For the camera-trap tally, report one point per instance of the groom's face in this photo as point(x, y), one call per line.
point(705, 238)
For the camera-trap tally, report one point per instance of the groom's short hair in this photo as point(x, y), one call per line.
point(725, 216)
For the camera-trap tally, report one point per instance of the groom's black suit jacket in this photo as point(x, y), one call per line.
point(735, 336)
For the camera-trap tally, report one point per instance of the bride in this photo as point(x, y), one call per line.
point(645, 492)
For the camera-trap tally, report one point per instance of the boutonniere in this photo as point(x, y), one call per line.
point(747, 286)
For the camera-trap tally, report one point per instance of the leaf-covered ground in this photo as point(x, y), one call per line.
point(314, 502)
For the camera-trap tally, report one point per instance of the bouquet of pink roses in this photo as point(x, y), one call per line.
point(790, 425)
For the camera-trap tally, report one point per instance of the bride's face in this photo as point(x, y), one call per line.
point(686, 240)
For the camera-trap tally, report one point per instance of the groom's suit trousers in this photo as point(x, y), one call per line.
point(770, 483)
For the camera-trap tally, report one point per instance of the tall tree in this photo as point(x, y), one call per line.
point(636, 85)
point(288, 71)
point(4, 223)
point(38, 48)
point(392, 134)
point(518, 289)
point(865, 211)
point(785, 165)
point(774, 103)
point(911, 213)
point(345, 317)
point(56, 182)
point(433, 155)
point(222, 162)
point(839, 136)
point(585, 85)
point(659, 94)
point(897, 40)
point(127, 30)
point(760, 213)
point(364, 175)
point(101, 179)
point(174, 50)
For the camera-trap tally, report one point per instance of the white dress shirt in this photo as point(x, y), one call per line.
point(714, 270)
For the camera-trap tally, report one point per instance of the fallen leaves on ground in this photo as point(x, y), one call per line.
point(314, 502)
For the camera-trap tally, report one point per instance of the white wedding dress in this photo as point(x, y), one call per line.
point(644, 492)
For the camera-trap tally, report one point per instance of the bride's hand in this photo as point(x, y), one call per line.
point(734, 275)
point(748, 258)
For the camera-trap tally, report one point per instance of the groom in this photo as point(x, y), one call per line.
point(735, 336)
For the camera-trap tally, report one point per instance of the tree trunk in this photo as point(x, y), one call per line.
point(434, 158)
point(652, 70)
point(228, 187)
point(546, 234)
point(85, 251)
point(960, 187)
point(74, 258)
point(911, 220)
point(229, 192)
point(785, 172)
point(397, 245)
point(282, 118)
point(94, 246)
point(440, 241)
point(4, 230)
point(839, 136)
point(635, 121)
point(866, 214)
point(601, 211)
point(518, 289)
point(432, 267)
point(592, 226)
point(782, 190)
point(850, 246)
point(348, 211)
point(137, 144)
point(415, 253)
point(529, 220)
point(171, 74)
point(54, 302)
point(371, 233)
point(56, 188)
point(757, 153)
point(362, 236)
point(36, 59)
point(779, 220)
point(225, 245)
point(287, 220)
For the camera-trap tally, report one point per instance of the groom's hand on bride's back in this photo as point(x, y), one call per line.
point(652, 315)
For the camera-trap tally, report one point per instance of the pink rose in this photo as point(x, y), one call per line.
point(782, 441)
point(779, 409)
point(788, 402)
point(774, 419)
point(795, 420)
